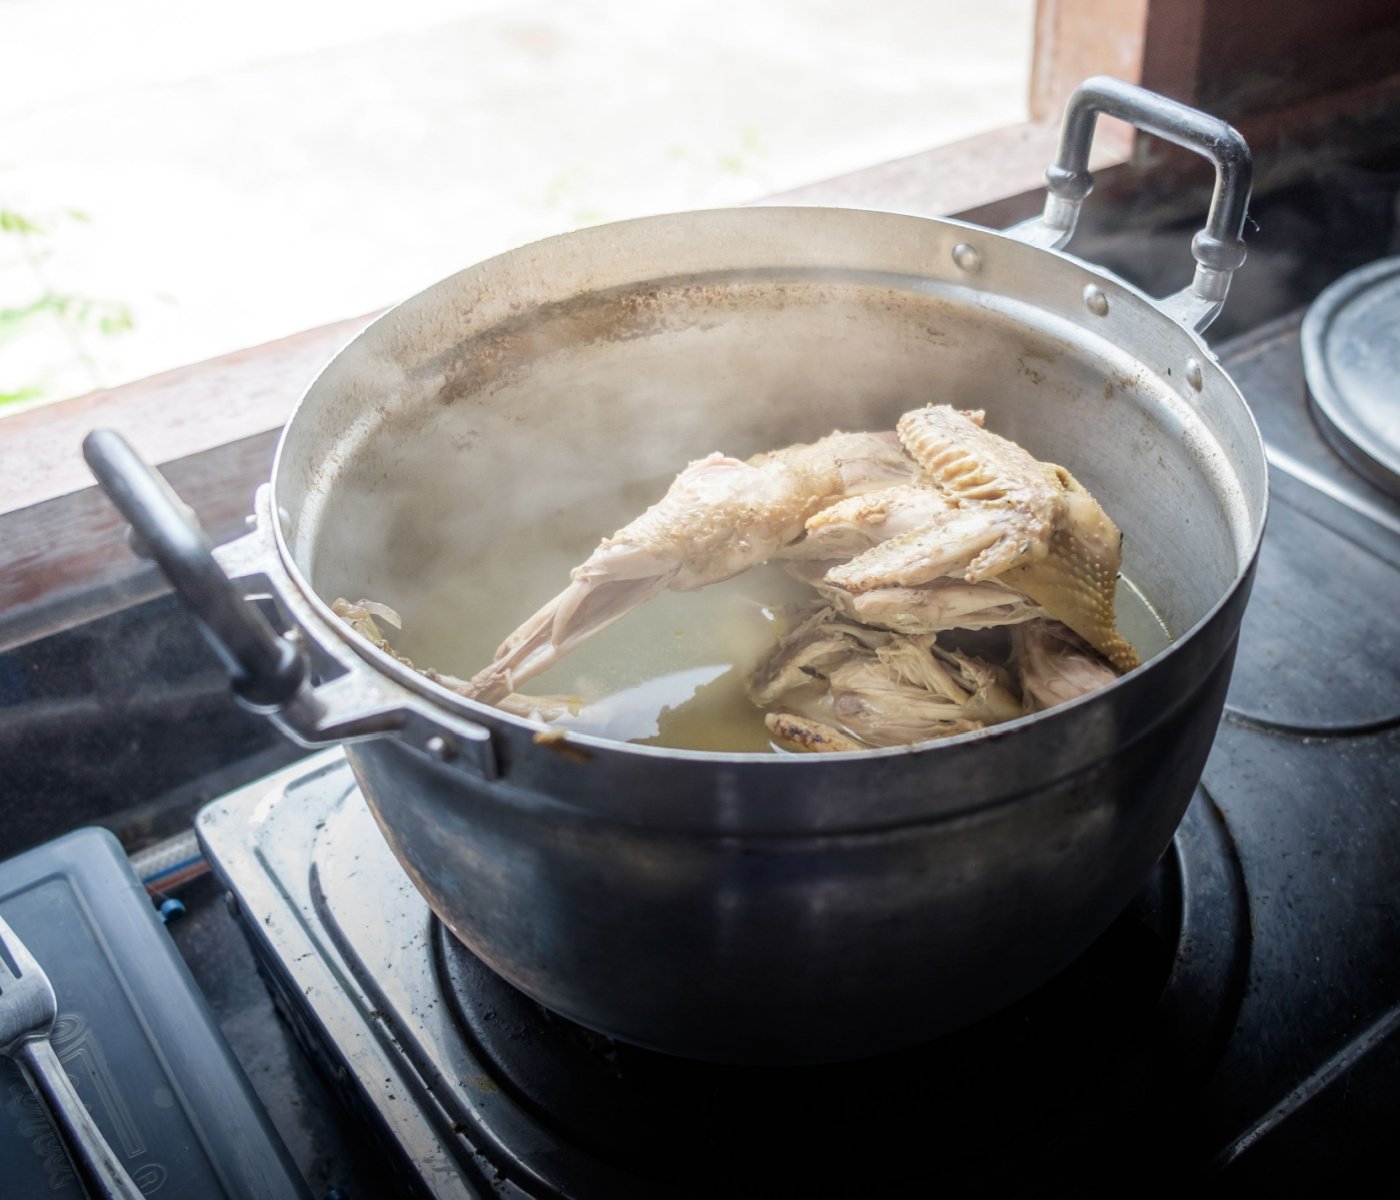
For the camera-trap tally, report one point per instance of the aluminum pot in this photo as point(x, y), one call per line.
point(746, 907)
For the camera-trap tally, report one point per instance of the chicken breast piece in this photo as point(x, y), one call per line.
point(718, 518)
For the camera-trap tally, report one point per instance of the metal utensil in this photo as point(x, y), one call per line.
point(28, 1009)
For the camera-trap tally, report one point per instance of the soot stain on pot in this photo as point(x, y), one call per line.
point(1121, 381)
point(1044, 352)
point(504, 353)
point(506, 350)
point(1036, 377)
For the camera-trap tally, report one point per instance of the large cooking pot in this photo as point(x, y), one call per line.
point(748, 907)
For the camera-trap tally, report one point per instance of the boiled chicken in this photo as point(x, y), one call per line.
point(855, 523)
point(1077, 581)
point(719, 517)
point(904, 536)
point(1027, 524)
point(838, 685)
point(933, 607)
point(803, 733)
point(815, 646)
point(1001, 506)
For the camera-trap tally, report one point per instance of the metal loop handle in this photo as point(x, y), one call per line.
point(1218, 248)
point(267, 670)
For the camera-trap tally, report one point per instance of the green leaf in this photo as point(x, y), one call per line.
point(107, 317)
point(24, 393)
point(13, 222)
point(13, 321)
point(57, 302)
point(117, 319)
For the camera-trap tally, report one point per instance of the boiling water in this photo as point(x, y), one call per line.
point(669, 673)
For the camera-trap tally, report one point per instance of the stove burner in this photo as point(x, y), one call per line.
point(1303, 666)
point(1091, 1068)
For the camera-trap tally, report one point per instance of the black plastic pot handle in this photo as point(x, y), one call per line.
point(267, 670)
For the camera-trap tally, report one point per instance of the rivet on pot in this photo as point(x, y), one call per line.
point(968, 258)
point(1095, 300)
point(1193, 375)
point(439, 747)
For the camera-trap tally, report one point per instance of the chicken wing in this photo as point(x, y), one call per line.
point(1028, 524)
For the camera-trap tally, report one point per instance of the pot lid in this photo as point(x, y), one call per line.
point(1351, 358)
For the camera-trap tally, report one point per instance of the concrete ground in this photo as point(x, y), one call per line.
point(225, 175)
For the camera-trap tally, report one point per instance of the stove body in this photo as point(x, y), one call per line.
point(1241, 1017)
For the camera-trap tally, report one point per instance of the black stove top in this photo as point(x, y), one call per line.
point(1239, 1022)
point(471, 1085)
point(1096, 1068)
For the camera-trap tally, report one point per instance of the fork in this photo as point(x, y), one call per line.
point(28, 1009)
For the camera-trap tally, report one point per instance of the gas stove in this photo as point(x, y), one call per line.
point(1239, 1018)
point(473, 1086)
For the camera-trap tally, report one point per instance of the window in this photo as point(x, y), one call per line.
point(184, 180)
